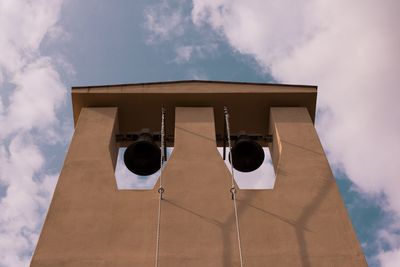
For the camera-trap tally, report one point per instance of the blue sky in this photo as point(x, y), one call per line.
point(351, 50)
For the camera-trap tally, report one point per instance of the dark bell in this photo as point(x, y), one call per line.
point(247, 154)
point(143, 156)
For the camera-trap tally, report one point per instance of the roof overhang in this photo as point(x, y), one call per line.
point(139, 105)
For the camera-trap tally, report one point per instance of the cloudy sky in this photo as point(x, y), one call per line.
point(350, 49)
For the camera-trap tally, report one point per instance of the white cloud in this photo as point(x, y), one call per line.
point(57, 33)
point(390, 258)
point(25, 201)
point(38, 93)
point(23, 24)
point(28, 115)
point(265, 29)
point(351, 50)
point(388, 240)
point(165, 21)
point(185, 53)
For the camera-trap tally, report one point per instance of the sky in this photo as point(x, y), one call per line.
point(350, 49)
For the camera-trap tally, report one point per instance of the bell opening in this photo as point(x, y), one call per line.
point(127, 180)
point(263, 178)
point(143, 156)
point(247, 155)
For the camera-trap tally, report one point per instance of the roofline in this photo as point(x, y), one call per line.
point(192, 81)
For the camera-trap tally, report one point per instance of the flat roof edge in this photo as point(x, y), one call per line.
point(192, 81)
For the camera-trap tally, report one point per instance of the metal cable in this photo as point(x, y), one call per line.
point(233, 187)
point(160, 188)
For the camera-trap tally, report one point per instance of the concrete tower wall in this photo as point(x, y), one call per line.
point(301, 222)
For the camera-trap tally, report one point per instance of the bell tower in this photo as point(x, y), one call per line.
point(196, 215)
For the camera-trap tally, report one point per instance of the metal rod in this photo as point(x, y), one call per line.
point(165, 142)
point(224, 138)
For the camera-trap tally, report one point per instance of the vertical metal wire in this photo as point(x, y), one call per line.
point(160, 188)
point(233, 187)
